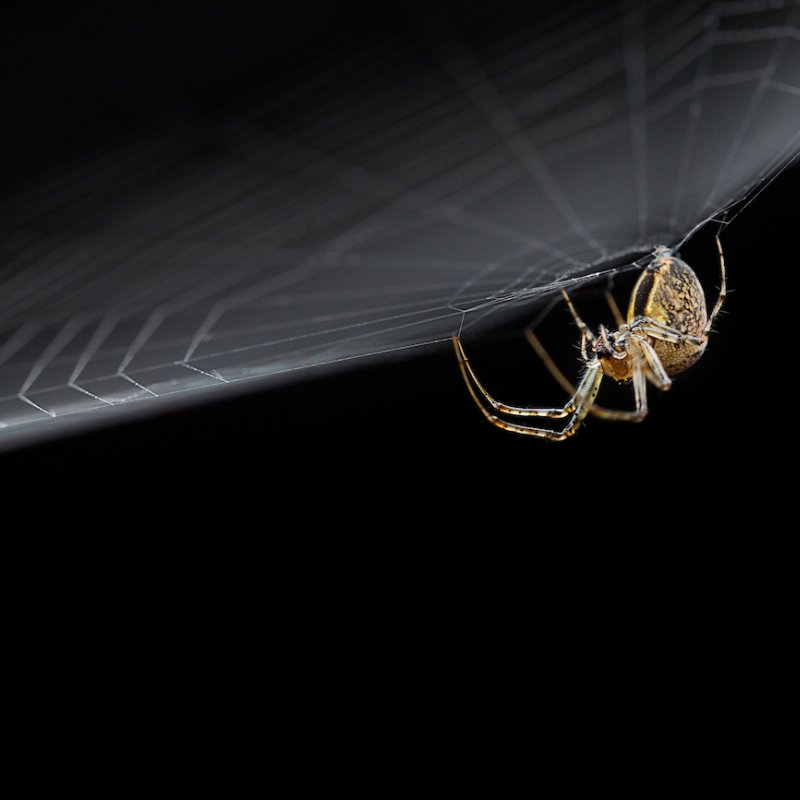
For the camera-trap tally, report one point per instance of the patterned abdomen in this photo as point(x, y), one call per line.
point(668, 291)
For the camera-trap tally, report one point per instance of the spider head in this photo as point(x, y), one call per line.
point(611, 349)
point(609, 344)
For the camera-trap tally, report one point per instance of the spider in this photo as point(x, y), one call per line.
point(666, 332)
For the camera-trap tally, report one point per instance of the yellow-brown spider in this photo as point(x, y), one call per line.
point(666, 332)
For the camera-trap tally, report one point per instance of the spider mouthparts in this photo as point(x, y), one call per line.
point(602, 349)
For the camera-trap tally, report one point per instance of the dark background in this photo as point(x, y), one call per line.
point(405, 427)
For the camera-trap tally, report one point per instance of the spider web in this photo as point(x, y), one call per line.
point(441, 177)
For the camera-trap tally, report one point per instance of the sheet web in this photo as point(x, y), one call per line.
point(443, 178)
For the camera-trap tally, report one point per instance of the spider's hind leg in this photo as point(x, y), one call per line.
point(619, 320)
point(723, 289)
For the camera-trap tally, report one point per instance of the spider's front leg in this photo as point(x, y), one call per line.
point(472, 380)
point(576, 408)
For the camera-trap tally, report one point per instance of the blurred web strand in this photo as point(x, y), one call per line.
point(439, 181)
point(635, 57)
point(479, 88)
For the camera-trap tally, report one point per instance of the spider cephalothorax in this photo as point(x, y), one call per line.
point(666, 332)
point(611, 344)
point(613, 351)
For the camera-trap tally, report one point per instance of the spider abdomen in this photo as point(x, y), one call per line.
point(669, 292)
point(666, 332)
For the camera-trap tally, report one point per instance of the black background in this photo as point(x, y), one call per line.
point(407, 428)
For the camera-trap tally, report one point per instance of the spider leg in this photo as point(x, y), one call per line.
point(640, 396)
point(596, 411)
point(655, 369)
point(723, 289)
point(584, 354)
point(584, 397)
point(640, 393)
point(619, 320)
point(582, 326)
point(658, 330)
point(552, 367)
point(472, 381)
